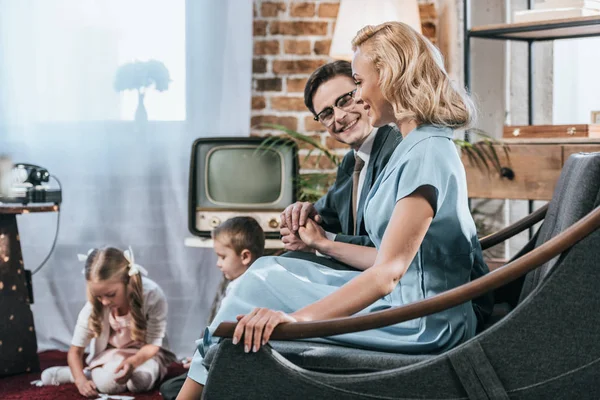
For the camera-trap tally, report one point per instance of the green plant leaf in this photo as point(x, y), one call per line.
point(304, 138)
point(482, 154)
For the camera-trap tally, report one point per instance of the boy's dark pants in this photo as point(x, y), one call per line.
point(170, 389)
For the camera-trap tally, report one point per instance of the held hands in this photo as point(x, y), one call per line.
point(86, 387)
point(126, 369)
point(296, 215)
point(312, 234)
point(257, 327)
point(292, 242)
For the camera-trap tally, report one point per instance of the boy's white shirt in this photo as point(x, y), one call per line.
point(155, 308)
point(231, 285)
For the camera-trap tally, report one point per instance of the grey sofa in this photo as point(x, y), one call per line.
point(546, 347)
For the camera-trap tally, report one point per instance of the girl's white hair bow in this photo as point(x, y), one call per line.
point(83, 257)
point(134, 268)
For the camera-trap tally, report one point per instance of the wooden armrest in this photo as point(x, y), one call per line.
point(440, 302)
point(510, 231)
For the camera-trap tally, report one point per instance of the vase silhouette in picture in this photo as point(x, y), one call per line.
point(141, 76)
point(141, 115)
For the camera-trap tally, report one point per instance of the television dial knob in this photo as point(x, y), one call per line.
point(273, 223)
point(214, 222)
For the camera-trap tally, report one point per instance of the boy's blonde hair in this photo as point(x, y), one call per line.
point(241, 233)
point(110, 263)
point(412, 77)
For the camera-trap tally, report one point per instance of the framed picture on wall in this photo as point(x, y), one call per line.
point(596, 117)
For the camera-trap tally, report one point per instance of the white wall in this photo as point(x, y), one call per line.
point(576, 81)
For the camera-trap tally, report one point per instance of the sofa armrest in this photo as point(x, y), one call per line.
point(442, 301)
point(510, 231)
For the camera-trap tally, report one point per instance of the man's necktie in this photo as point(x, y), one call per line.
point(358, 166)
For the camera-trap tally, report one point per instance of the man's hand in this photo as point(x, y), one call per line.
point(296, 215)
point(312, 234)
point(292, 242)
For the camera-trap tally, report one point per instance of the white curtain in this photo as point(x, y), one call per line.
point(124, 183)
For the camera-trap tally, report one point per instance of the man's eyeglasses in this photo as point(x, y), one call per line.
point(344, 102)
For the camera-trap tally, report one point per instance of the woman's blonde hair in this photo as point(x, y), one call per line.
point(412, 77)
point(110, 263)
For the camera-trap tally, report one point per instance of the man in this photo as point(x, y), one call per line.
point(328, 95)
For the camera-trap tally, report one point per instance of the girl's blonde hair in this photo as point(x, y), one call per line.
point(110, 263)
point(412, 77)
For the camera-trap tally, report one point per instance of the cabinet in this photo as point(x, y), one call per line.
point(531, 170)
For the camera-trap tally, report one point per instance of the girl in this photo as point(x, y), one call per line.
point(416, 214)
point(125, 319)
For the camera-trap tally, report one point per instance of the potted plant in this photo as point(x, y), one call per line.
point(140, 76)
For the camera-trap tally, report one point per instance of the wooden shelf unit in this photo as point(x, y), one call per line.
point(536, 165)
point(567, 28)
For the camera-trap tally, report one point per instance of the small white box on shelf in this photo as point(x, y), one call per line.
point(554, 4)
point(550, 14)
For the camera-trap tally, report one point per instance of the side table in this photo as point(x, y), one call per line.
point(18, 343)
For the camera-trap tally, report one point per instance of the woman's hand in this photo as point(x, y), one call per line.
point(86, 387)
point(127, 370)
point(257, 327)
point(312, 234)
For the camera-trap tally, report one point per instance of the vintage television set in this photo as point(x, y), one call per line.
point(233, 176)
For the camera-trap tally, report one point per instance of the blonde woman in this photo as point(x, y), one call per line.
point(125, 318)
point(416, 214)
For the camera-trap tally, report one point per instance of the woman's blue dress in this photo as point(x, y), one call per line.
point(426, 156)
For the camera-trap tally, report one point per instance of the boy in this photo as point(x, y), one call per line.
point(238, 242)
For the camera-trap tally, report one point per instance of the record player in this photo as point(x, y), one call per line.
point(24, 183)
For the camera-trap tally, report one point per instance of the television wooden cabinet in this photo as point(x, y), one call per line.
point(534, 166)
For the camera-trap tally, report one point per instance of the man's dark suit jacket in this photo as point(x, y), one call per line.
point(336, 210)
point(336, 206)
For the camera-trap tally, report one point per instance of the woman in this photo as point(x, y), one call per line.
point(416, 214)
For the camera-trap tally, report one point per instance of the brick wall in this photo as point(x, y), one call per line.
point(291, 39)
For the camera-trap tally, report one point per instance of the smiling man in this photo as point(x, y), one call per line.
point(329, 95)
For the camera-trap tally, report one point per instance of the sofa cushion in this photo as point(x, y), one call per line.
point(330, 358)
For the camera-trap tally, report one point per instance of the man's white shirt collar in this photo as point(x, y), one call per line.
point(364, 151)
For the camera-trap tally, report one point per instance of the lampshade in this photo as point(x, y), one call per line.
point(354, 15)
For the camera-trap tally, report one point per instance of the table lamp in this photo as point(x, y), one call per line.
point(353, 15)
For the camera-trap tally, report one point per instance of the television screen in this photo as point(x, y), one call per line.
point(241, 176)
point(236, 175)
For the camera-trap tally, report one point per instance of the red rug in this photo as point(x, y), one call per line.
point(18, 386)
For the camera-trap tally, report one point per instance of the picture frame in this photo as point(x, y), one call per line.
point(595, 117)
